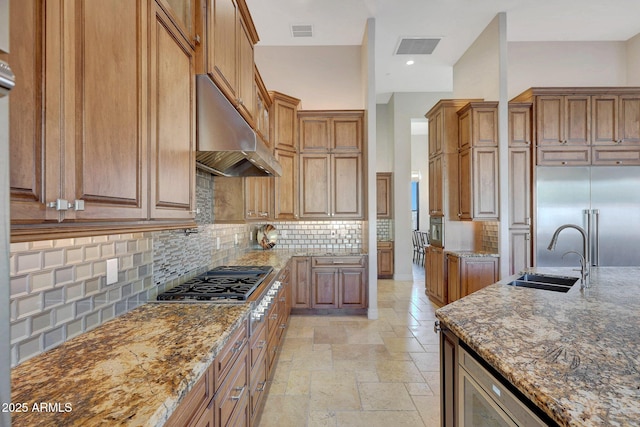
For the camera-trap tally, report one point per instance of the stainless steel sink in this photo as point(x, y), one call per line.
point(545, 282)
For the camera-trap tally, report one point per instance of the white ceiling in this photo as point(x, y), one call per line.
point(457, 22)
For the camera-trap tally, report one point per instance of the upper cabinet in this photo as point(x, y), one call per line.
point(585, 126)
point(478, 161)
point(86, 135)
point(263, 105)
point(284, 121)
point(230, 38)
point(331, 164)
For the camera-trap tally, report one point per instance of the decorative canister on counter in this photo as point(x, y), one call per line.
point(267, 236)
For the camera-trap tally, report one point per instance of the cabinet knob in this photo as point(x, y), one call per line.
point(619, 162)
point(564, 163)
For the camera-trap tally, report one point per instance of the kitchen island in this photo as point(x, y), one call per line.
point(574, 355)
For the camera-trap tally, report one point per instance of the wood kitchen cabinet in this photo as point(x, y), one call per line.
point(72, 171)
point(339, 282)
point(331, 164)
point(300, 282)
point(434, 275)
point(478, 161)
point(231, 36)
point(443, 152)
point(469, 273)
point(520, 186)
point(258, 197)
point(385, 259)
point(448, 378)
point(263, 105)
point(585, 126)
point(284, 118)
point(384, 195)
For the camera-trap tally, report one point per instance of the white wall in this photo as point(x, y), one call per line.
point(633, 61)
point(419, 163)
point(536, 64)
point(477, 72)
point(403, 107)
point(322, 77)
point(384, 138)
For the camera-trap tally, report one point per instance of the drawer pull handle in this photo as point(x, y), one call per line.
point(238, 346)
point(261, 386)
point(273, 317)
point(239, 395)
point(261, 344)
point(283, 326)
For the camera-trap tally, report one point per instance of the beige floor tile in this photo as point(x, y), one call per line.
point(419, 389)
point(429, 409)
point(360, 352)
point(322, 419)
point(380, 419)
point(312, 361)
point(334, 391)
point(398, 371)
point(385, 396)
point(330, 335)
point(401, 344)
point(299, 383)
point(429, 362)
point(284, 411)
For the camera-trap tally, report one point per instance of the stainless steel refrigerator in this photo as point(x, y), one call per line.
point(603, 200)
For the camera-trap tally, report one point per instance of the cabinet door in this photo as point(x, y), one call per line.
point(464, 130)
point(629, 119)
point(246, 78)
point(223, 46)
point(520, 125)
point(301, 282)
point(549, 120)
point(286, 186)
point(346, 134)
point(477, 273)
point(453, 278)
point(485, 183)
point(314, 186)
point(520, 247)
point(346, 185)
point(384, 195)
point(353, 288)
point(563, 120)
point(435, 186)
point(577, 121)
point(465, 185)
point(519, 187)
point(385, 260)
point(605, 119)
point(324, 288)
point(435, 275)
point(172, 122)
point(448, 378)
point(30, 178)
point(110, 147)
point(284, 121)
point(315, 134)
point(258, 197)
point(435, 133)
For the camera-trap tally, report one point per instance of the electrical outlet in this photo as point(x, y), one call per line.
point(235, 238)
point(333, 233)
point(217, 242)
point(112, 271)
point(284, 233)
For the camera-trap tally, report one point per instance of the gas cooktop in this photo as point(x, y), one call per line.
point(231, 282)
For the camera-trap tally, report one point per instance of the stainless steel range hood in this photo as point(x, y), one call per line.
point(227, 146)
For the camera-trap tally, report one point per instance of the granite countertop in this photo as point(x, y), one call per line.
point(134, 369)
point(470, 254)
point(278, 258)
point(575, 355)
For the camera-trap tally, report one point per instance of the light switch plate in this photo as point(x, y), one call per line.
point(112, 271)
point(217, 242)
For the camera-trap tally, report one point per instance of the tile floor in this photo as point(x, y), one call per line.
point(352, 371)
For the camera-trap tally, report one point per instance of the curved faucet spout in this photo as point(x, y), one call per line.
point(586, 265)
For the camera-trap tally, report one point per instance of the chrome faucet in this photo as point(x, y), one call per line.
point(585, 264)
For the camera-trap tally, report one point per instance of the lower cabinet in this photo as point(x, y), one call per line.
point(448, 378)
point(300, 283)
point(385, 260)
point(467, 274)
point(339, 282)
point(434, 275)
point(520, 250)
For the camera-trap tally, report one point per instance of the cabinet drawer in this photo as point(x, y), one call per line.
point(273, 318)
point(564, 156)
point(191, 407)
point(345, 261)
point(258, 386)
point(620, 155)
point(385, 245)
point(232, 395)
point(230, 353)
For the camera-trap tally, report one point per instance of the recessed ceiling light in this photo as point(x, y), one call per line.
point(410, 62)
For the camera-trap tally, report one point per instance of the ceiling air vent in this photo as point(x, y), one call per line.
point(416, 46)
point(303, 30)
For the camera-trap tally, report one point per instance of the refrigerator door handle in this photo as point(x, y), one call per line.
point(588, 225)
point(595, 214)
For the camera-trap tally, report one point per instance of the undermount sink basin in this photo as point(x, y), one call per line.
point(545, 282)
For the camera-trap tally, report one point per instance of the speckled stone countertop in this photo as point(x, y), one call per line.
point(278, 257)
point(132, 370)
point(574, 355)
point(471, 254)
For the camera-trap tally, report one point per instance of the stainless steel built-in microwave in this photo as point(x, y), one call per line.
point(436, 231)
